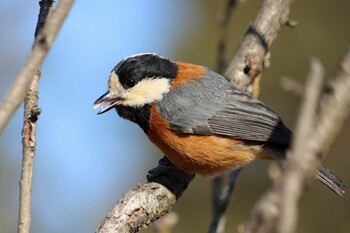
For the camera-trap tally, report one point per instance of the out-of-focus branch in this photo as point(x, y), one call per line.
point(292, 190)
point(166, 222)
point(293, 86)
point(31, 114)
point(43, 43)
point(247, 64)
point(277, 210)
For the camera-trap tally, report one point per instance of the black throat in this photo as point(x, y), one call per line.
point(139, 115)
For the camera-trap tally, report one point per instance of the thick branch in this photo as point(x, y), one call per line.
point(250, 57)
point(137, 208)
point(167, 183)
point(37, 55)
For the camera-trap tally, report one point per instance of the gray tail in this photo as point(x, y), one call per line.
point(326, 177)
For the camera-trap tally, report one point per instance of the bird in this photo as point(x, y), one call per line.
point(201, 122)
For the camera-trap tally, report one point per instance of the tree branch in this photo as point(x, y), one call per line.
point(251, 56)
point(31, 114)
point(137, 208)
point(277, 210)
point(247, 64)
point(291, 190)
point(43, 43)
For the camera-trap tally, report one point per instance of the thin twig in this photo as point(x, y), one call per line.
point(42, 44)
point(31, 114)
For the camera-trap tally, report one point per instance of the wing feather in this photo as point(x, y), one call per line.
point(211, 105)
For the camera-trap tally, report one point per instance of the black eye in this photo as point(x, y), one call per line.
point(130, 83)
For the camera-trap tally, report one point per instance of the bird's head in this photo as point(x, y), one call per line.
point(136, 81)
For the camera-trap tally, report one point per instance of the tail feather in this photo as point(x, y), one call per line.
point(326, 177)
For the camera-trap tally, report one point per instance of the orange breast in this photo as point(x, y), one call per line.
point(205, 155)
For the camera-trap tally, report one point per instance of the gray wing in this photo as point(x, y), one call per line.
point(211, 105)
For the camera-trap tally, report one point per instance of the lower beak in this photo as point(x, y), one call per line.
point(109, 99)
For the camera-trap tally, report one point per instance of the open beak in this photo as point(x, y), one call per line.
point(107, 102)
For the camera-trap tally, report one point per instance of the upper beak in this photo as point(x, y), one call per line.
point(109, 99)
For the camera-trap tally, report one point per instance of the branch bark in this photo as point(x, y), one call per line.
point(247, 64)
point(43, 43)
point(251, 56)
point(31, 114)
point(138, 208)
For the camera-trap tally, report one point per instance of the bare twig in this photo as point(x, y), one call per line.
point(272, 213)
point(31, 114)
point(247, 64)
point(37, 55)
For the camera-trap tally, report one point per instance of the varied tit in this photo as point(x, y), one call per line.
point(196, 117)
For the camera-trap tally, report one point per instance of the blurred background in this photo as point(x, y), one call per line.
point(85, 162)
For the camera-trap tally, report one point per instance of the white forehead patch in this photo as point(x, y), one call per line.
point(141, 54)
point(147, 91)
